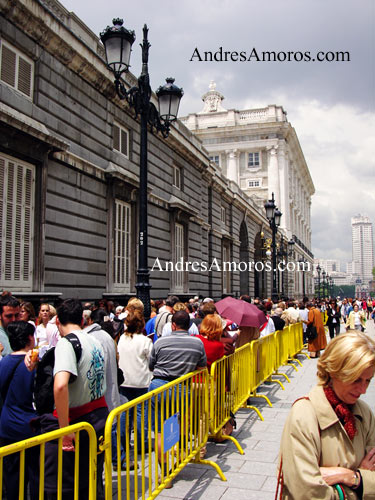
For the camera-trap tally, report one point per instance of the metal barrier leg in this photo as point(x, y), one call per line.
point(214, 465)
point(276, 372)
point(251, 407)
point(270, 379)
point(234, 440)
point(290, 363)
point(298, 361)
point(255, 395)
point(304, 354)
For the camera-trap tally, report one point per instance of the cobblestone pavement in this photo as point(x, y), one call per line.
point(252, 475)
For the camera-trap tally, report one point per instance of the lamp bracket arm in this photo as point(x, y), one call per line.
point(155, 122)
point(121, 90)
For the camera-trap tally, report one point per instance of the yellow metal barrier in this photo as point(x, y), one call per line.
point(172, 422)
point(282, 351)
point(229, 390)
point(178, 410)
point(263, 356)
point(295, 343)
point(21, 447)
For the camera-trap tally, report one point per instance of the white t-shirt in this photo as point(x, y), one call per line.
point(134, 353)
point(90, 383)
point(41, 335)
point(269, 328)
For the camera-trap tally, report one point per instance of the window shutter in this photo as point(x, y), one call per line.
point(116, 138)
point(8, 66)
point(2, 186)
point(121, 268)
point(9, 223)
point(124, 142)
point(24, 76)
point(16, 223)
point(179, 253)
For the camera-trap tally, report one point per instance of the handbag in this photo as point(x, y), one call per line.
point(311, 332)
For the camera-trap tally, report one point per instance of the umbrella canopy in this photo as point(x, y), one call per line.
point(241, 312)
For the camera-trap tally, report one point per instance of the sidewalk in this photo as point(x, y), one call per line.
point(252, 475)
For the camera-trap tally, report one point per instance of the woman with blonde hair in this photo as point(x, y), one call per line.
point(328, 443)
point(41, 330)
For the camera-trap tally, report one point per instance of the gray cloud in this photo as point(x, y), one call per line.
point(331, 105)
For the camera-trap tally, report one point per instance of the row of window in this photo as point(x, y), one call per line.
point(16, 69)
point(17, 205)
point(253, 159)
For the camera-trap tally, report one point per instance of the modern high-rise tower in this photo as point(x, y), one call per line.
point(363, 248)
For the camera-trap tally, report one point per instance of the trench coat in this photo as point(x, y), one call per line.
point(320, 342)
point(313, 437)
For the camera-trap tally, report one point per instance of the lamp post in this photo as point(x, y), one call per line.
point(266, 254)
point(273, 215)
point(331, 282)
point(302, 261)
point(117, 42)
point(290, 254)
point(328, 277)
point(318, 270)
point(324, 283)
point(283, 253)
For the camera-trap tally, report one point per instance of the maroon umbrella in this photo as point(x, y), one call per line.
point(241, 312)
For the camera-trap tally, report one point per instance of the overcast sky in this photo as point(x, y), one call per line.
point(331, 105)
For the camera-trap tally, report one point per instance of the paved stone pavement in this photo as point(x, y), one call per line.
point(252, 475)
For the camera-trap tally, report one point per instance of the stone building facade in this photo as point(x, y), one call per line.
point(69, 163)
point(258, 149)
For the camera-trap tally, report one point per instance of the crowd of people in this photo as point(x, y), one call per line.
point(104, 354)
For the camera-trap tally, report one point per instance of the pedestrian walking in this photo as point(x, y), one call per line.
point(320, 342)
point(333, 321)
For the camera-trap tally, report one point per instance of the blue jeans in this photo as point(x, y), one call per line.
point(129, 393)
point(175, 394)
point(122, 435)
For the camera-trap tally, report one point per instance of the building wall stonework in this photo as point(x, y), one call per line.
point(85, 191)
point(258, 150)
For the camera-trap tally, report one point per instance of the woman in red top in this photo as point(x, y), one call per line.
point(210, 333)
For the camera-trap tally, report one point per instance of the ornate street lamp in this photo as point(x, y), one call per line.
point(117, 42)
point(324, 283)
point(318, 270)
point(273, 215)
point(328, 277)
point(302, 261)
point(290, 256)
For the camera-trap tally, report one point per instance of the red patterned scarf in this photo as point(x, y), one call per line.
point(343, 412)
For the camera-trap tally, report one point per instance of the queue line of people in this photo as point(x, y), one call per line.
point(121, 342)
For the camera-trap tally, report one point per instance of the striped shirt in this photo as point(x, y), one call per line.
point(177, 355)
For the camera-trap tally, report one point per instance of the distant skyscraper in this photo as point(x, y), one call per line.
point(362, 247)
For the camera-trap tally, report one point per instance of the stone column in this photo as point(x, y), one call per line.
point(273, 175)
point(232, 165)
point(284, 186)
